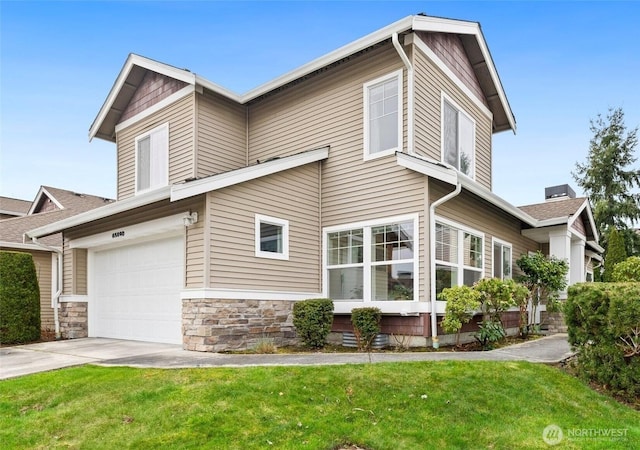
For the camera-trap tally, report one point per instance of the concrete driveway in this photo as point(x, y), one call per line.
point(27, 359)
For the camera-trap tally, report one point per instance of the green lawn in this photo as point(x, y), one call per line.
point(424, 405)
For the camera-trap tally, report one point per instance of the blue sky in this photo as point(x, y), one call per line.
point(561, 64)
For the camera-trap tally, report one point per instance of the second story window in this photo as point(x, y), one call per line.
point(458, 138)
point(152, 159)
point(383, 115)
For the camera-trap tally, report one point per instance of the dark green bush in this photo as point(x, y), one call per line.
point(313, 319)
point(489, 333)
point(366, 326)
point(603, 322)
point(19, 299)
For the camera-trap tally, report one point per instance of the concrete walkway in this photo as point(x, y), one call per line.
point(33, 358)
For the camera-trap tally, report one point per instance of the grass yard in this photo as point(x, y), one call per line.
point(448, 404)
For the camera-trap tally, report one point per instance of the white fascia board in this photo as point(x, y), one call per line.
point(486, 194)
point(20, 246)
point(336, 55)
point(146, 63)
point(201, 81)
point(102, 212)
point(432, 169)
point(41, 192)
point(592, 222)
point(434, 24)
point(594, 245)
point(212, 183)
point(553, 222)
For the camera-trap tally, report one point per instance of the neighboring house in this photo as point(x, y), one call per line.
point(13, 207)
point(364, 176)
point(50, 205)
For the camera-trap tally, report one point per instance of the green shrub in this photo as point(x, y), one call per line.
point(366, 326)
point(627, 270)
point(495, 296)
point(603, 322)
point(19, 299)
point(313, 319)
point(462, 301)
point(489, 333)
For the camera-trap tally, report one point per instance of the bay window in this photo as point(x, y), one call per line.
point(372, 262)
point(459, 256)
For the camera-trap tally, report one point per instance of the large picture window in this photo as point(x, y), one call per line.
point(458, 138)
point(152, 159)
point(372, 262)
point(501, 260)
point(459, 256)
point(383, 115)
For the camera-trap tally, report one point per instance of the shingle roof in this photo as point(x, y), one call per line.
point(14, 205)
point(554, 209)
point(13, 229)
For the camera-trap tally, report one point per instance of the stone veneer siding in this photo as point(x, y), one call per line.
point(73, 320)
point(214, 325)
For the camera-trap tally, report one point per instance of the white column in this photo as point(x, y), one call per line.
point(576, 264)
point(560, 247)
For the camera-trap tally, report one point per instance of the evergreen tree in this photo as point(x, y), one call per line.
point(616, 253)
point(609, 179)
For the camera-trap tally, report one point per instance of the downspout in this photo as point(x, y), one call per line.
point(55, 301)
point(410, 89)
point(432, 258)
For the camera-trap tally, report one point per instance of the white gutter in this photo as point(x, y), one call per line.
point(55, 300)
point(410, 90)
point(432, 257)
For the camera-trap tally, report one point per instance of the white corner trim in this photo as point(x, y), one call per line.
point(102, 212)
point(432, 169)
point(212, 183)
point(136, 232)
point(424, 48)
point(245, 294)
point(155, 108)
point(74, 298)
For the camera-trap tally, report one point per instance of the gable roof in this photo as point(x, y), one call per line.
point(135, 68)
point(71, 203)
point(14, 206)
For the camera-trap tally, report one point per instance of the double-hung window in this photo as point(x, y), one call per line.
point(383, 115)
point(458, 138)
point(459, 256)
point(152, 159)
point(372, 262)
point(271, 237)
point(501, 260)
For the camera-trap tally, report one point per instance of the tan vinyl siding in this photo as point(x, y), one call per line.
point(325, 110)
point(179, 115)
point(43, 261)
point(430, 82)
point(194, 270)
point(221, 135)
point(80, 271)
point(291, 195)
point(473, 212)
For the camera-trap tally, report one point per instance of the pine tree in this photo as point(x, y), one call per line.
point(608, 177)
point(616, 253)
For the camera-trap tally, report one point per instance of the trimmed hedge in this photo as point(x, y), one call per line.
point(19, 299)
point(603, 322)
point(313, 319)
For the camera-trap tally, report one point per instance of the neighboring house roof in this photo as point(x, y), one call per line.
point(14, 206)
point(186, 189)
point(136, 67)
point(68, 204)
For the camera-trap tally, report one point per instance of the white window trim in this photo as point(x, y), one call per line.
point(502, 243)
point(284, 255)
point(367, 155)
point(367, 264)
point(460, 265)
point(138, 139)
point(445, 97)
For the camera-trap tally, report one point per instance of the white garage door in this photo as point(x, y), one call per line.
point(136, 292)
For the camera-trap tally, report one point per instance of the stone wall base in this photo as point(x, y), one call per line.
point(215, 325)
point(73, 320)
